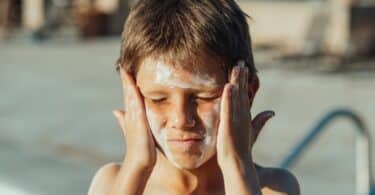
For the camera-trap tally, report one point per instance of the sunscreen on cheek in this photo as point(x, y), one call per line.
point(208, 147)
point(160, 135)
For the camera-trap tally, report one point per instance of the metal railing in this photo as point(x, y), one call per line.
point(363, 155)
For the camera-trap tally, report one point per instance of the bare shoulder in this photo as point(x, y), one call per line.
point(277, 181)
point(104, 179)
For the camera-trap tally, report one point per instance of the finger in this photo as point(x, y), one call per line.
point(235, 75)
point(241, 64)
point(134, 101)
point(132, 95)
point(226, 106)
point(259, 121)
point(233, 99)
point(244, 84)
point(236, 104)
point(120, 116)
point(238, 78)
point(124, 80)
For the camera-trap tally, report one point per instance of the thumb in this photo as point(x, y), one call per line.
point(120, 116)
point(259, 121)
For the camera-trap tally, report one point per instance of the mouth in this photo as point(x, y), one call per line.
point(186, 142)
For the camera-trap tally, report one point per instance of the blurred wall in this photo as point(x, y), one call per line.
point(33, 14)
point(280, 23)
point(310, 27)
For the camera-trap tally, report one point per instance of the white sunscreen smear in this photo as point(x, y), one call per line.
point(208, 147)
point(160, 135)
point(166, 75)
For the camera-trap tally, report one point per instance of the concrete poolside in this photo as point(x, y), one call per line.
point(56, 125)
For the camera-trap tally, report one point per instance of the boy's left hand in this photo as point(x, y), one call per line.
point(237, 132)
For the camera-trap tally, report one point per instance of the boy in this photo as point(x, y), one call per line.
point(189, 81)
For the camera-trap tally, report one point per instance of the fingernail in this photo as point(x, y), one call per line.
point(115, 113)
point(237, 70)
point(271, 114)
point(241, 63)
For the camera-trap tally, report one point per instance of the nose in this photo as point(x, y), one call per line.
point(182, 116)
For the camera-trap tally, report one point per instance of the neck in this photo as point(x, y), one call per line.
point(199, 180)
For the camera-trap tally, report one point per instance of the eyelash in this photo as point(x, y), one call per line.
point(205, 99)
point(158, 100)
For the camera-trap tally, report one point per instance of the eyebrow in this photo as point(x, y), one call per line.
point(151, 92)
point(161, 91)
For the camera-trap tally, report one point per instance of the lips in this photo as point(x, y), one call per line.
point(185, 143)
point(185, 139)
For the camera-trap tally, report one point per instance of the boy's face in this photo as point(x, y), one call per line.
point(183, 109)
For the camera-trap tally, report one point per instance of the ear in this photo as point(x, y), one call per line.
point(253, 86)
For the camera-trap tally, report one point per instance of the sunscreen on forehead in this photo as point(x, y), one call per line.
point(167, 75)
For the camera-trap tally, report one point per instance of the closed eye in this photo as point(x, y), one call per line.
point(158, 100)
point(208, 98)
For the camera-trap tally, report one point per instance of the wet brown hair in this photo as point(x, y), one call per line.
point(186, 33)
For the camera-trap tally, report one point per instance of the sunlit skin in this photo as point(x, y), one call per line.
point(166, 119)
point(182, 109)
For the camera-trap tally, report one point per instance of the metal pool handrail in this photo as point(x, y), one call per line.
point(363, 155)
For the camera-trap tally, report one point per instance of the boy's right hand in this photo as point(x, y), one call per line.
point(140, 145)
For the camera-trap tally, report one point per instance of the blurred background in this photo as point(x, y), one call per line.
point(58, 87)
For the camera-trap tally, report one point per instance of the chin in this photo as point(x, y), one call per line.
point(188, 159)
point(187, 165)
point(189, 162)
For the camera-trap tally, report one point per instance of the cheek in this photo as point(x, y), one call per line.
point(210, 116)
point(155, 119)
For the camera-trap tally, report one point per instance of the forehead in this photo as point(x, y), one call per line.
point(155, 72)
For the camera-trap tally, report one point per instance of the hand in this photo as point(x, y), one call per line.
point(237, 133)
point(135, 126)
